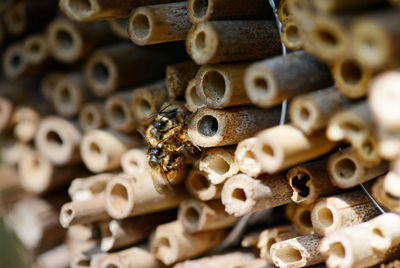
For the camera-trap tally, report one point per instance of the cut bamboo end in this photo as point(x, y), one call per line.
point(245, 157)
point(155, 24)
point(383, 99)
point(243, 194)
point(267, 84)
point(178, 77)
point(346, 171)
point(383, 231)
point(291, 36)
point(388, 144)
point(301, 219)
point(383, 196)
point(213, 127)
point(197, 216)
point(300, 9)
point(36, 50)
point(118, 112)
point(134, 162)
point(26, 122)
point(284, 146)
point(49, 82)
point(91, 116)
point(171, 244)
point(193, 100)
point(131, 257)
point(219, 164)
point(391, 180)
point(6, 111)
point(85, 188)
point(120, 27)
point(58, 140)
point(14, 61)
point(82, 232)
point(15, 18)
point(335, 212)
point(283, 12)
point(101, 150)
point(297, 252)
point(199, 186)
point(367, 152)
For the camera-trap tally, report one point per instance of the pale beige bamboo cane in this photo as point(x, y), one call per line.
point(246, 159)
point(213, 127)
point(354, 122)
point(91, 116)
point(134, 162)
point(237, 40)
point(345, 171)
point(200, 187)
point(147, 100)
point(131, 257)
point(120, 27)
point(366, 150)
point(310, 181)
point(159, 23)
point(171, 243)
point(290, 34)
point(126, 197)
point(388, 143)
point(222, 85)
point(84, 188)
point(48, 83)
point(219, 164)
point(199, 11)
point(118, 112)
point(101, 150)
point(36, 50)
point(121, 233)
point(58, 140)
point(335, 212)
point(268, 84)
point(38, 175)
point(283, 146)
point(297, 252)
point(71, 41)
point(351, 77)
point(12, 150)
point(384, 232)
point(242, 194)
point(197, 216)
point(311, 112)
point(376, 38)
point(69, 94)
point(14, 62)
point(282, 11)
point(83, 232)
point(270, 236)
point(26, 121)
point(57, 257)
point(193, 100)
point(178, 77)
point(384, 196)
point(383, 100)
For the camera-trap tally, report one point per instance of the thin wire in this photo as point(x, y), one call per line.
point(372, 199)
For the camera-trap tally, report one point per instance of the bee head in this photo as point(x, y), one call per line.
point(159, 125)
point(153, 162)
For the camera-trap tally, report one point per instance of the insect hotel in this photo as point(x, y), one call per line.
point(200, 133)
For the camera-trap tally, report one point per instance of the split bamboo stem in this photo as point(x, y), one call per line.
point(268, 83)
point(245, 157)
point(222, 85)
point(335, 212)
point(283, 146)
point(92, 116)
point(212, 127)
point(159, 23)
point(134, 162)
point(200, 187)
point(118, 112)
point(171, 243)
point(178, 77)
point(120, 27)
point(193, 100)
point(227, 41)
point(242, 194)
point(101, 150)
point(131, 257)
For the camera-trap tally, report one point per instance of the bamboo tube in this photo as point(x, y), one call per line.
point(219, 164)
point(282, 11)
point(126, 197)
point(147, 101)
point(291, 36)
point(342, 5)
point(178, 77)
point(297, 252)
point(193, 101)
point(159, 23)
point(376, 39)
point(48, 83)
point(243, 194)
point(134, 162)
point(83, 232)
point(345, 171)
point(12, 151)
point(131, 257)
point(58, 140)
point(311, 112)
point(383, 195)
point(383, 100)
point(70, 41)
point(171, 243)
point(110, 68)
point(14, 62)
point(91, 116)
point(246, 159)
point(119, 27)
point(351, 124)
point(338, 211)
point(283, 146)
point(57, 257)
point(200, 187)
point(118, 112)
point(268, 84)
point(310, 181)
point(26, 122)
point(384, 232)
point(227, 41)
point(222, 85)
point(101, 150)
point(6, 111)
point(300, 9)
point(366, 151)
point(38, 175)
point(85, 188)
point(388, 144)
point(212, 127)
point(36, 50)
point(121, 233)
point(10, 188)
point(197, 216)
point(69, 94)
point(301, 219)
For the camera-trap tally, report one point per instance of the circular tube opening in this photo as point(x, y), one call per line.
point(337, 249)
point(239, 194)
point(268, 150)
point(141, 26)
point(53, 138)
point(214, 85)
point(200, 41)
point(292, 34)
point(351, 72)
point(119, 197)
point(368, 147)
point(219, 165)
point(80, 6)
point(89, 118)
point(305, 218)
point(345, 168)
point(200, 182)
point(269, 243)
point(101, 73)
point(194, 97)
point(65, 94)
point(117, 113)
point(299, 184)
point(260, 84)
point(64, 39)
point(144, 106)
point(304, 114)
point(200, 8)
point(207, 126)
point(192, 216)
point(94, 148)
point(350, 127)
point(15, 61)
point(325, 217)
point(288, 254)
point(326, 37)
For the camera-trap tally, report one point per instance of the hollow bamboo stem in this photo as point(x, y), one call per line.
point(193, 100)
point(36, 51)
point(117, 110)
point(120, 27)
point(84, 188)
point(301, 218)
point(200, 187)
point(384, 195)
point(246, 159)
point(91, 116)
point(291, 35)
point(178, 77)
point(134, 162)
point(131, 257)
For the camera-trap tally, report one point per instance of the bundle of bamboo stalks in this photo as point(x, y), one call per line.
point(156, 133)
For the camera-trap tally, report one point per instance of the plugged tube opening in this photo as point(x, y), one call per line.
point(208, 126)
point(141, 26)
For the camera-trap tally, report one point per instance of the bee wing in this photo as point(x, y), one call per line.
point(160, 181)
